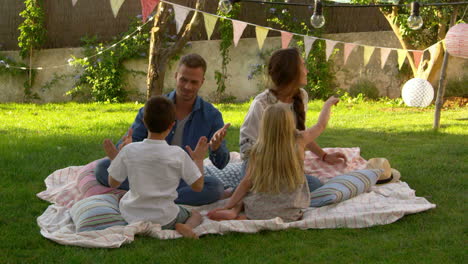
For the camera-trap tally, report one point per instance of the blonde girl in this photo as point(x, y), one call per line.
point(274, 184)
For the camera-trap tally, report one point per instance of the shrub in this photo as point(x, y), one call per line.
point(365, 87)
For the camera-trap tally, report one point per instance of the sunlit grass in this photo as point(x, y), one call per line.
point(36, 140)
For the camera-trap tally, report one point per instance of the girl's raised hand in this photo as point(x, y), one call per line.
point(332, 100)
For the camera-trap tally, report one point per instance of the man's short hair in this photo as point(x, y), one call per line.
point(159, 114)
point(193, 60)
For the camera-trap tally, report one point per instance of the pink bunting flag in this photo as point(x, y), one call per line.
point(285, 39)
point(74, 2)
point(180, 14)
point(308, 42)
point(147, 6)
point(348, 47)
point(330, 45)
point(417, 55)
point(384, 52)
point(239, 28)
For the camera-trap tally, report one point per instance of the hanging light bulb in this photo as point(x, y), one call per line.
point(415, 21)
point(225, 6)
point(317, 20)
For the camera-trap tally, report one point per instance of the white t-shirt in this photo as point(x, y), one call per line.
point(252, 121)
point(154, 170)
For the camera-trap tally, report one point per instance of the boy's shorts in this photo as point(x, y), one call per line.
point(182, 217)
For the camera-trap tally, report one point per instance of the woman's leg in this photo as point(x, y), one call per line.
point(313, 182)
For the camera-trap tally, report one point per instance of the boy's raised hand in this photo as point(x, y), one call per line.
point(200, 150)
point(218, 137)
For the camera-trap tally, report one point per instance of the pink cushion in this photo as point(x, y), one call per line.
point(89, 186)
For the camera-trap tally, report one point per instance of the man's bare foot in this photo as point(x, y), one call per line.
point(186, 231)
point(110, 149)
point(227, 193)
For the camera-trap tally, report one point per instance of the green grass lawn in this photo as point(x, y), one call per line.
point(36, 140)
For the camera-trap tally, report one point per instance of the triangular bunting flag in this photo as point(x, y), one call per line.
point(348, 47)
point(285, 39)
point(384, 56)
point(210, 23)
point(401, 57)
point(238, 29)
point(368, 51)
point(74, 2)
point(180, 16)
point(116, 4)
point(433, 49)
point(147, 6)
point(417, 58)
point(330, 45)
point(261, 35)
point(308, 41)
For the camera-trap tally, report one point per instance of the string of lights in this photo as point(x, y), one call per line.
point(317, 20)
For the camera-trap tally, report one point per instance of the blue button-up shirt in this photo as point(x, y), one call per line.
point(204, 120)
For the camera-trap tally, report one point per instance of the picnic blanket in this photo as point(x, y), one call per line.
point(384, 204)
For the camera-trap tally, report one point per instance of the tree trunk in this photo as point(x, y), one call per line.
point(159, 56)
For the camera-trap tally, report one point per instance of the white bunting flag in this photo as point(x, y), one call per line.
point(74, 2)
point(330, 45)
point(285, 39)
point(384, 52)
point(308, 42)
point(368, 51)
point(210, 23)
point(261, 35)
point(401, 57)
point(348, 47)
point(238, 29)
point(115, 5)
point(180, 16)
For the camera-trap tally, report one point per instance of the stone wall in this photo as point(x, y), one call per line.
point(239, 85)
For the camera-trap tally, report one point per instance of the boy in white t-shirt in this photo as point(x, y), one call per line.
point(154, 170)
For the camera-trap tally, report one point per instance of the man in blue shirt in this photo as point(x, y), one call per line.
point(195, 118)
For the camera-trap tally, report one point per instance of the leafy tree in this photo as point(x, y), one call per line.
point(161, 52)
point(32, 36)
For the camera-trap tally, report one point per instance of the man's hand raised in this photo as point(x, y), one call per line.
point(218, 137)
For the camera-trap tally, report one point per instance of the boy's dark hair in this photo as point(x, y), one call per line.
point(159, 114)
point(193, 60)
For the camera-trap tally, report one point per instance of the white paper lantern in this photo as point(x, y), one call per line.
point(417, 92)
point(456, 41)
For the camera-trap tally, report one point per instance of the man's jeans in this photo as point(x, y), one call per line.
point(213, 188)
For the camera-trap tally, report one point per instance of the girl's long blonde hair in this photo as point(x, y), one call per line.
point(274, 163)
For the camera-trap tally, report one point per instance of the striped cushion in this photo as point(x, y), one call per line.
point(96, 213)
point(344, 187)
